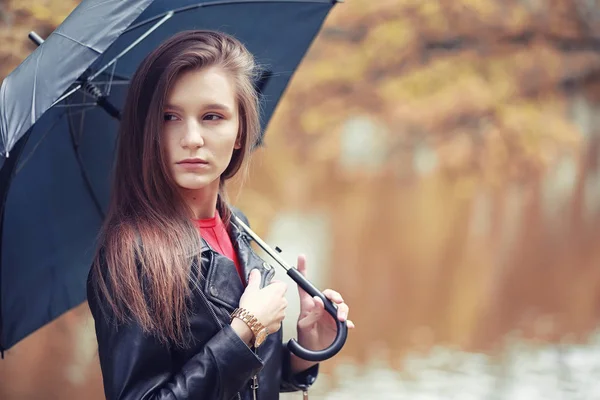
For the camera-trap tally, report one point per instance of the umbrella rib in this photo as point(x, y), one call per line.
point(89, 105)
point(78, 42)
point(35, 146)
point(112, 74)
point(81, 123)
point(112, 83)
point(34, 94)
point(86, 178)
point(164, 19)
point(3, 121)
point(221, 3)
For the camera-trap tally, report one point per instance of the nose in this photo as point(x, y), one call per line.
point(193, 137)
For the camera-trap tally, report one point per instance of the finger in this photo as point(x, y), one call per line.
point(343, 311)
point(307, 306)
point(279, 284)
point(254, 278)
point(350, 324)
point(284, 288)
point(301, 267)
point(284, 304)
point(314, 315)
point(333, 296)
point(279, 287)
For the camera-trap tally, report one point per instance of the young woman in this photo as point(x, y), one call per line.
point(183, 308)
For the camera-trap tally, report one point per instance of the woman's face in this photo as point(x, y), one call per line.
point(200, 128)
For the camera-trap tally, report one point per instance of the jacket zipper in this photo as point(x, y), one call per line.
point(254, 382)
point(254, 387)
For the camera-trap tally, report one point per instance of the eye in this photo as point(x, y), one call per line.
point(170, 117)
point(212, 117)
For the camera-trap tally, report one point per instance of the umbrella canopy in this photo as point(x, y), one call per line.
point(39, 81)
point(58, 122)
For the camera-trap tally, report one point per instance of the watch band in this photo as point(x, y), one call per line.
point(258, 330)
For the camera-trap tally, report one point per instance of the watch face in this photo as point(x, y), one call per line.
point(260, 337)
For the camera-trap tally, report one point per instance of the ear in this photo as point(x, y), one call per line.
point(238, 142)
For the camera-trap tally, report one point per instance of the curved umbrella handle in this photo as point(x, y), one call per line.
point(293, 345)
point(342, 328)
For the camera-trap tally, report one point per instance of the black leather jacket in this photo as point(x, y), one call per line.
point(219, 366)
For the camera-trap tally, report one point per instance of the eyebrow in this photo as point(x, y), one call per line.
point(213, 106)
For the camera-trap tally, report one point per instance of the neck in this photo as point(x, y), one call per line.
point(202, 202)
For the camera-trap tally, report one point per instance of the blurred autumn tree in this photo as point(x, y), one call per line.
point(491, 75)
point(18, 18)
point(500, 97)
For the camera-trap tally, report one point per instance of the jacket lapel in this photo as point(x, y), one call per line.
point(249, 260)
point(223, 285)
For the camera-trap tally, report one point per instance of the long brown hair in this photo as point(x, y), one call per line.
point(149, 242)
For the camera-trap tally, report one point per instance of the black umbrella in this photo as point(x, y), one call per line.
point(59, 113)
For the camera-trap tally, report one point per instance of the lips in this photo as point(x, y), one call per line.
point(193, 161)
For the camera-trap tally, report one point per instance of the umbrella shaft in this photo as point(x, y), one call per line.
point(262, 244)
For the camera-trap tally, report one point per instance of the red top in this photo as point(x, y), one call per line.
point(214, 232)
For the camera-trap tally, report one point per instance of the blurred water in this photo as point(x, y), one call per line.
point(524, 371)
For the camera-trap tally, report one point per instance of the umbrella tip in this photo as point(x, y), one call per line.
point(35, 38)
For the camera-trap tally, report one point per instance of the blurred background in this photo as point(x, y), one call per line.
point(437, 161)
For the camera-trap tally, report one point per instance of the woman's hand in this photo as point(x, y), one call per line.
point(267, 305)
point(316, 328)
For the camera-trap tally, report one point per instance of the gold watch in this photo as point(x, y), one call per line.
point(259, 330)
